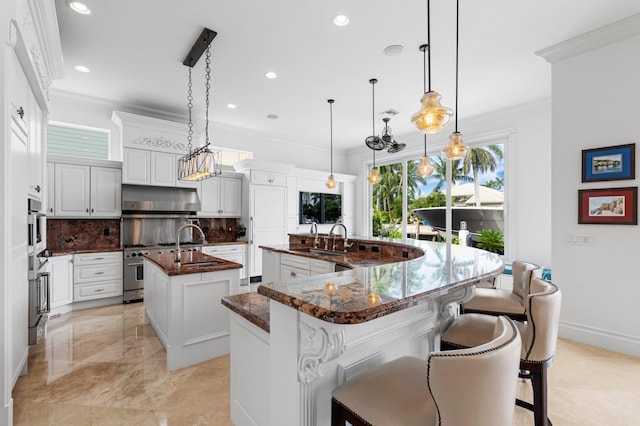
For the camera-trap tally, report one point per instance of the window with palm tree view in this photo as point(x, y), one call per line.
point(477, 198)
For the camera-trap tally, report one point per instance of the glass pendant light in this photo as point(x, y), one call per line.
point(432, 116)
point(425, 168)
point(374, 177)
point(331, 183)
point(457, 149)
point(199, 163)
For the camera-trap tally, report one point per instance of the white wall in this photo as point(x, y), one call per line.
point(595, 104)
point(528, 173)
point(93, 112)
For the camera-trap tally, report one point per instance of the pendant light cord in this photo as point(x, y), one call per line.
point(331, 101)
point(457, 37)
point(207, 76)
point(189, 107)
point(373, 82)
point(429, 40)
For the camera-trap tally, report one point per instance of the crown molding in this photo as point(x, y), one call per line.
point(603, 36)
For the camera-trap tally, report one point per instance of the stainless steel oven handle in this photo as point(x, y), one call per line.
point(47, 294)
point(135, 264)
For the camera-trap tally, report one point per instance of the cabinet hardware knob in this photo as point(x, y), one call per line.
point(37, 188)
point(20, 112)
point(92, 210)
point(51, 209)
point(98, 290)
point(87, 210)
point(98, 273)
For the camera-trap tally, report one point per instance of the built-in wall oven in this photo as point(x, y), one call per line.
point(36, 221)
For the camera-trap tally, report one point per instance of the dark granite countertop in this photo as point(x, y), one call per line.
point(372, 291)
point(253, 307)
point(54, 253)
point(192, 262)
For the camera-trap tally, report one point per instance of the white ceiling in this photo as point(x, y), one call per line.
point(135, 50)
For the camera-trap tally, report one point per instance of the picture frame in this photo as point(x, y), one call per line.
point(609, 163)
point(610, 206)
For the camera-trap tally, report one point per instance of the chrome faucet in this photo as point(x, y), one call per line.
point(178, 256)
point(314, 231)
point(346, 240)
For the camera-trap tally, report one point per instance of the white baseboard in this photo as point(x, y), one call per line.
point(606, 339)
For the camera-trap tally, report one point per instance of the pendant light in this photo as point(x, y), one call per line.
point(199, 163)
point(331, 183)
point(374, 177)
point(373, 141)
point(457, 149)
point(432, 117)
point(425, 168)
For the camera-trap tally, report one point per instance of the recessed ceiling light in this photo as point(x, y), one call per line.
point(272, 117)
point(393, 50)
point(232, 106)
point(341, 20)
point(271, 75)
point(82, 68)
point(81, 8)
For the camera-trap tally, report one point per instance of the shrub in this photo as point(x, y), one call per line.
point(491, 240)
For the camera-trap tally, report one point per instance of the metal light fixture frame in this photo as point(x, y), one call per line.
point(200, 163)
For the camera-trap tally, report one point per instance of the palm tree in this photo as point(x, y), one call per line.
point(440, 172)
point(497, 183)
point(481, 160)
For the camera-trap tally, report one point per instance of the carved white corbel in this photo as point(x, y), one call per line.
point(449, 305)
point(316, 347)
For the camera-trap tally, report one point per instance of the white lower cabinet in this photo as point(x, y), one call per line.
point(231, 252)
point(61, 280)
point(292, 266)
point(97, 276)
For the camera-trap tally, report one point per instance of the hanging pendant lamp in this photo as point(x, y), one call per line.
point(432, 116)
point(457, 149)
point(331, 183)
point(374, 177)
point(425, 168)
point(199, 163)
point(374, 142)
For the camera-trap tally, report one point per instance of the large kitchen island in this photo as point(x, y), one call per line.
point(298, 339)
point(181, 302)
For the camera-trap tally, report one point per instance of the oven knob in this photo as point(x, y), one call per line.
point(140, 254)
point(133, 255)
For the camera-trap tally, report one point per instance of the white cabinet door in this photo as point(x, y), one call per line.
point(106, 185)
point(268, 221)
point(72, 190)
point(163, 169)
point(231, 197)
point(136, 166)
point(270, 266)
point(221, 197)
point(209, 193)
point(264, 177)
point(35, 119)
point(51, 173)
point(61, 270)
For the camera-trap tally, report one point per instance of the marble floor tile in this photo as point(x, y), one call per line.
point(104, 366)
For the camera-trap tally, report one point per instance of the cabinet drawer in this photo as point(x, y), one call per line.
point(217, 250)
point(291, 272)
point(97, 291)
point(93, 258)
point(296, 261)
point(321, 266)
point(99, 272)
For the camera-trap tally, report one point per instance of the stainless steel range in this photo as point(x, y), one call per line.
point(151, 217)
point(133, 266)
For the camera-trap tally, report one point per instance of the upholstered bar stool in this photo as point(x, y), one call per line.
point(539, 338)
point(495, 301)
point(474, 386)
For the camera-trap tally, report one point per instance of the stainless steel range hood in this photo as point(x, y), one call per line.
point(139, 199)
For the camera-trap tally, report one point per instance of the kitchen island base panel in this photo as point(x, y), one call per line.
point(185, 313)
point(250, 378)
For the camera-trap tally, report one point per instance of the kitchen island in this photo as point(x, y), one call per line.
point(181, 302)
point(325, 329)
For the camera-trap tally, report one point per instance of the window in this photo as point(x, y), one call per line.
point(415, 206)
point(320, 208)
point(77, 141)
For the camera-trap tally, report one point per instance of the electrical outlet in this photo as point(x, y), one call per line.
point(582, 240)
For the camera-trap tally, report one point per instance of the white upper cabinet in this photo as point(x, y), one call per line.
point(151, 148)
point(220, 197)
point(136, 167)
point(264, 177)
point(86, 191)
